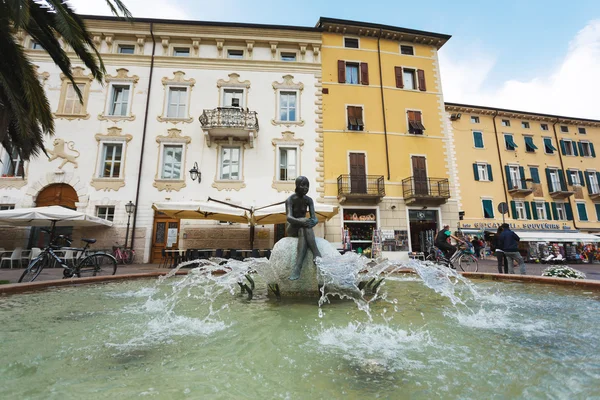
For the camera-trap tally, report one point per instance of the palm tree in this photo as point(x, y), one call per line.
point(25, 114)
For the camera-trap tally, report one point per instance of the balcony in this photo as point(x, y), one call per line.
point(425, 191)
point(520, 187)
point(558, 191)
point(362, 188)
point(231, 123)
point(594, 191)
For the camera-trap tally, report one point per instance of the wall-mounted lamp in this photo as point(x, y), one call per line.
point(194, 173)
point(456, 116)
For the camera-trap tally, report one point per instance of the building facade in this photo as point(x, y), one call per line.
point(387, 151)
point(236, 101)
point(544, 167)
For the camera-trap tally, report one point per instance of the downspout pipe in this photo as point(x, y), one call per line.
point(387, 157)
point(562, 167)
point(137, 191)
point(500, 160)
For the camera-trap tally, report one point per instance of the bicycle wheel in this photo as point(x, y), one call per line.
point(34, 268)
point(128, 256)
point(468, 263)
point(98, 264)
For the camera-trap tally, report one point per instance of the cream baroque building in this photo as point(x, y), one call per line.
point(239, 101)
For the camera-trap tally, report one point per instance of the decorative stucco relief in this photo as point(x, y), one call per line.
point(178, 80)
point(121, 77)
point(288, 85)
point(61, 150)
point(113, 135)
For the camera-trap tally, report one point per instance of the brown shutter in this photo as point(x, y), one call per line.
point(421, 76)
point(364, 73)
point(411, 116)
point(399, 80)
point(341, 71)
point(417, 117)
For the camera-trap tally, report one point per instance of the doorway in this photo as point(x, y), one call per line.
point(423, 226)
point(358, 173)
point(58, 194)
point(419, 166)
point(165, 236)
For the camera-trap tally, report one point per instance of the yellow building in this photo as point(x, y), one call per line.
point(544, 167)
point(386, 154)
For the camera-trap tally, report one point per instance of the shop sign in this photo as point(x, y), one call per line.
point(531, 226)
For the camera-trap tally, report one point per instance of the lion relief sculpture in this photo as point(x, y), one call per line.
point(59, 151)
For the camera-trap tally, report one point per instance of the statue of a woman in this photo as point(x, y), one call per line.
point(299, 226)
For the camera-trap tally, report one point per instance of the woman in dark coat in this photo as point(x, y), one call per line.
point(499, 253)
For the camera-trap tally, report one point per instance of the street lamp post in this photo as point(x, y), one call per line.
point(129, 208)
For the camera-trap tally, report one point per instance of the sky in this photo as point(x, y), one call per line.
point(530, 55)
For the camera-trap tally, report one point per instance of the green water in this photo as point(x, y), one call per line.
point(139, 339)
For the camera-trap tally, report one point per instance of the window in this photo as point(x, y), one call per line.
point(177, 102)
point(119, 100)
point(587, 149)
point(505, 122)
point(530, 147)
point(407, 50)
point(36, 46)
point(181, 51)
point(288, 56)
point(111, 160)
point(581, 131)
point(126, 49)
point(544, 127)
point(287, 164)
point(230, 163)
point(415, 122)
point(525, 125)
point(4, 207)
point(516, 179)
point(568, 147)
point(548, 147)
point(535, 175)
point(355, 118)
point(540, 210)
point(573, 176)
point(488, 208)
point(351, 43)
point(509, 142)
point(474, 119)
point(483, 172)
point(12, 165)
point(582, 212)
point(171, 162)
point(352, 74)
point(72, 104)
point(561, 212)
point(564, 129)
point(520, 210)
point(593, 186)
point(478, 139)
point(554, 180)
point(106, 212)
point(287, 106)
point(233, 98)
point(409, 78)
point(235, 54)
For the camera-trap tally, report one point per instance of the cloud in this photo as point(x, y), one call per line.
point(571, 89)
point(171, 9)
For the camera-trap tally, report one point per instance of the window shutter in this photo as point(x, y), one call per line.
point(508, 180)
point(550, 188)
point(522, 174)
point(534, 174)
point(569, 179)
point(587, 180)
point(598, 212)
point(513, 209)
point(554, 212)
point(563, 148)
point(364, 73)
point(421, 77)
point(489, 168)
point(561, 177)
point(534, 210)
point(411, 116)
point(478, 139)
point(581, 180)
point(527, 210)
point(399, 77)
point(569, 211)
point(582, 211)
point(592, 150)
point(580, 147)
point(341, 71)
point(475, 172)
point(575, 146)
point(548, 213)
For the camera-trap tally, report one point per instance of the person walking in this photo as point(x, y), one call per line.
point(508, 241)
point(499, 253)
point(476, 246)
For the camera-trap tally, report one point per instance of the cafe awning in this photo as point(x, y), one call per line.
point(566, 237)
point(45, 216)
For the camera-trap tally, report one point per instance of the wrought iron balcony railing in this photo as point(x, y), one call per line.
point(361, 186)
point(427, 190)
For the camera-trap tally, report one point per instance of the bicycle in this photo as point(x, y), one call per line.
point(123, 255)
point(464, 256)
point(95, 264)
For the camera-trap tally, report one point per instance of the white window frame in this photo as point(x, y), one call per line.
point(240, 164)
point(540, 208)
point(505, 122)
point(555, 180)
point(594, 184)
point(74, 99)
point(229, 49)
point(7, 165)
point(346, 122)
point(106, 214)
point(351, 37)
point(102, 160)
point(406, 45)
point(546, 126)
point(525, 125)
point(168, 101)
point(475, 119)
point(520, 208)
point(571, 151)
point(163, 146)
point(561, 212)
point(585, 148)
point(233, 89)
point(515, 175)
point(297, 166)
point(288, 52)
point(122, 45)
point(353, 64)
point(110, 101)
point(177, 48)
point(296, 108)
point(414, 79)
point(482, 171)
point(574, 176)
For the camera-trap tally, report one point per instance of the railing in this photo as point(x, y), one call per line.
point(438, 188)
point(520, 184)
point(229, 117)
point(594, 189)
point(370, 185)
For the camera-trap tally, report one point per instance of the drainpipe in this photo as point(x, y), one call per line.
point(562, 167)
point(137, 191)
point(500, 160)
point(387, 158)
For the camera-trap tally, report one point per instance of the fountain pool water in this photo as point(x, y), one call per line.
point(431, 335)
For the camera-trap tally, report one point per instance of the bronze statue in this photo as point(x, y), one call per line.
point(299, 226)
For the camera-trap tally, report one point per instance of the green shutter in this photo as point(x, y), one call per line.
point(563, 148)
point(535, 175)
point(548, 213)
point(581, 210)
point(488, 209)
point(597, 211)
point(587, 181)
point(581, 180)
point(508, 180)
point(489, 168)
point(513, 209)
point(569, 179)
point(592, 149)
point(574, 148)
point(475, 172)
point(534, 210)
point(527, 210)
point(569, 211)
point(561, 177)
point(478, 139)
point(580, 147)
point(522, 175)
point(554, 212)
point(550, 188)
